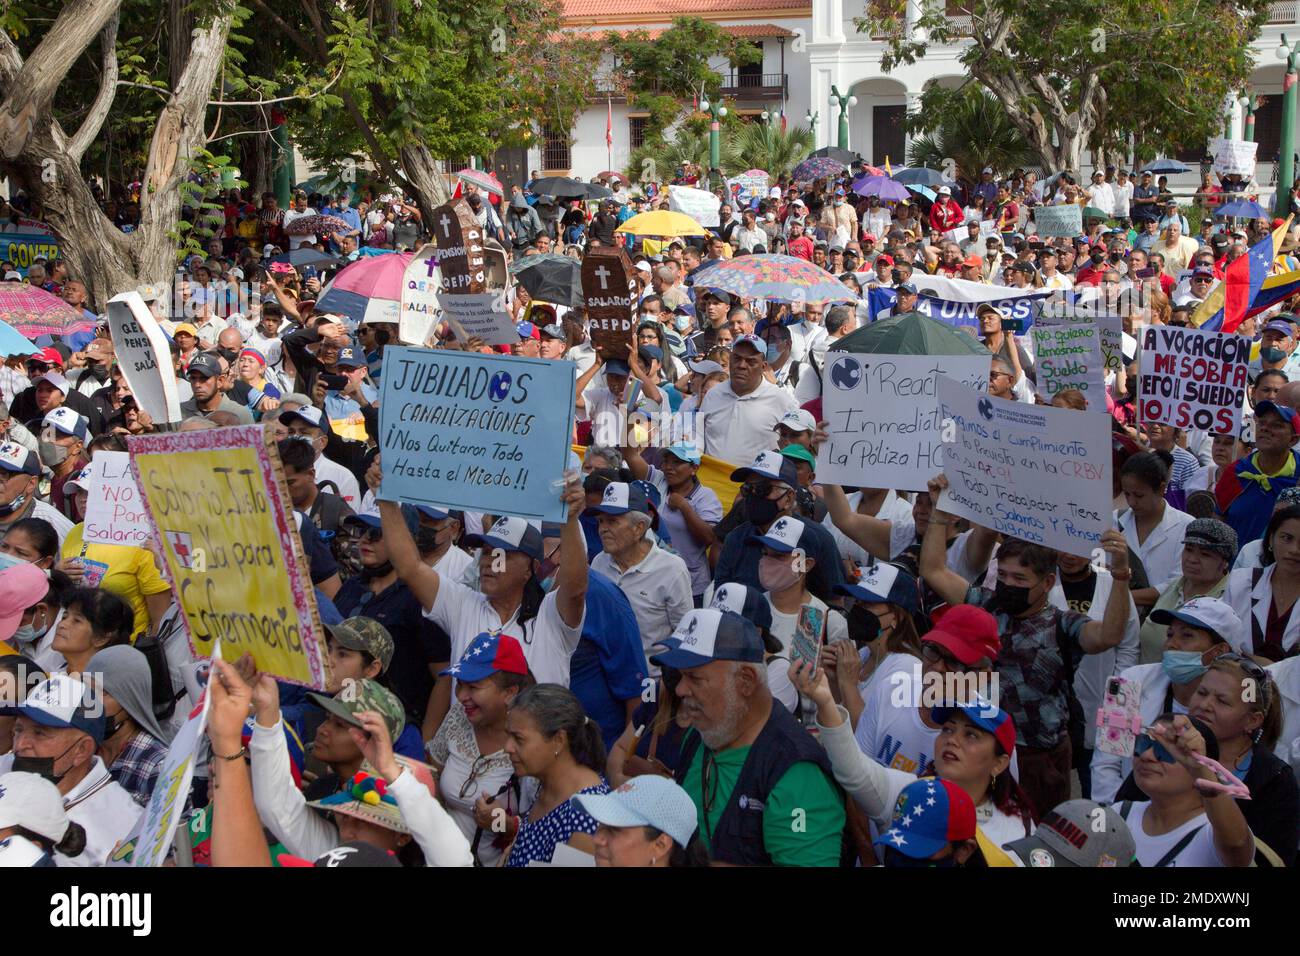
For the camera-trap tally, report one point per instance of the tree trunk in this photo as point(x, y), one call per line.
point(180, 26)
point(424, 177)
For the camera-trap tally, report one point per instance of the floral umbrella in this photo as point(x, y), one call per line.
point(774, 277)
point(484, 181)
point(818, 167)
point(33, 312)
point(315, 225)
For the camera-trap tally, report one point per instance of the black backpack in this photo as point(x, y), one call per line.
point(152, 646)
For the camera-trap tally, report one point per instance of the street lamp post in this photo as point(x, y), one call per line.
point(1286, 151)
point(811, 118)
point(716, 111)
point(1247, 104)
point(843, 101)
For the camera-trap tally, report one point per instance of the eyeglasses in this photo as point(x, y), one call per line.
point(1144, 742)
point(479, 766)
point(934, 654)
point(372, 534)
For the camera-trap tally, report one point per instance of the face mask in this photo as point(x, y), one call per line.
point(13, 506)
point(770, 216)
point(25, 634)
point(379, 571)
point(230, 355)
point(52, 454)
point(839, 202)
point(1097, 257)
point(1182, 667)
point(682, 322)
point(41, 766)
point(760, 512)
point(113, 724)
point(864, 626)
point(775, 574)
point(548, 583)
point(9, 561)
point(1272, 354)
point(426, 539)
point(1010, 599)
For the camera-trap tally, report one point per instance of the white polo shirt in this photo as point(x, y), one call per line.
point(348, 489)
point(658, 588)
point(547, 641)
point(738, 427)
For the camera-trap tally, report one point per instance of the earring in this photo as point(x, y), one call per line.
point(653, 860)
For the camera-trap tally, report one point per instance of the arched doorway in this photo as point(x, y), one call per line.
point(876, 122)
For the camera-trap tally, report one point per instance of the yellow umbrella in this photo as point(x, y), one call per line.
point(662, 223)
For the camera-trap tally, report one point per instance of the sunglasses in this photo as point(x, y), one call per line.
point(1145, 742)
point(935, 654)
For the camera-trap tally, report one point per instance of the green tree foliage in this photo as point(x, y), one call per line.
point(768, 148)
point(974, 132)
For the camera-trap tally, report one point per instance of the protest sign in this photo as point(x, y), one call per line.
point(144, 356)
point(955, 300)
point(1033, 472)
point(700, 205)
point(483, 315)
point(496, 269)
point(1069, 356)
point(24, 248)
point(230, 547)
point(746, 188)
point(883, 415)
point(421, 283)
point(1234, 157)
point(988, 227)
point(609, 292)
point(475, 432)
point(115, 513)
point(460, 248)
point(1064, 220)
point(170, 790)
point(1110, 327)
point(1190, 378)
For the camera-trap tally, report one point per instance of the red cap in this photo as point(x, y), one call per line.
point(869, 237)
point(972, 261)
point(886, 259)
point(50, 356)
point(968, 632)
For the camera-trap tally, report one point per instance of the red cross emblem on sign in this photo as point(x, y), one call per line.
point(180, 545)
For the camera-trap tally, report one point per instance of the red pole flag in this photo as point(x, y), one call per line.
point(609, 123)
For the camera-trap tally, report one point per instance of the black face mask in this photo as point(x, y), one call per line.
point(760, 512)
point(864, 626)
point(41, 766)
point(426, 539)
point(1010, 599)
point(230, 355)
point(1097, 257)
point(378, 571)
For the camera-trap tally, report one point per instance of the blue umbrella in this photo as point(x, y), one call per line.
point(921, 176)
point(1242, 208)
point(1167, 167)
point(924, 191)
point(881, 186)
point(12, 342)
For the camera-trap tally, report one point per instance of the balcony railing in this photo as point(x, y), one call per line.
point(1284, 11)
point(742, 86)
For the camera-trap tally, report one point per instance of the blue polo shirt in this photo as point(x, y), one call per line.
point(609, 664)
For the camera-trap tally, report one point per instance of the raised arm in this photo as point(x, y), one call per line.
point(945, 582)
point(571, 578)
point(1098, 636)
point(402, 552)
point(867, 531)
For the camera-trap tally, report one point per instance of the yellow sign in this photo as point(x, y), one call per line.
point(231, 549)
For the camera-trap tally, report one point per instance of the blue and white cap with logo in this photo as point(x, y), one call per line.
point(67, 421)
point(749, 603)
point(645, 801)
point(63, 701)
point(1206, 614)
point(15, 458)
point(883, 583)
point(81, 480)
point(783, 536)
point(707, 635)
point(771, 465)
point(619, 499)
point(510, 534)
point(310, 414)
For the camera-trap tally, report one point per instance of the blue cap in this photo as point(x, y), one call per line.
point(882, 583)
point(706, 635)
point(486, 655)
point(684, 451)
point(928, 815)
point(527, 330)
point(351, 357)
point(430, 512)
point(783, 535)
point(985, 716)
point(749, 603)
point(906, 287)
point(617, 367)
point(510, 534)
point(651, 491)
point(651, 352)
point(771, 465)
point(620, 498)
point(409, 515)
point(1285, 412)
point(645, 801)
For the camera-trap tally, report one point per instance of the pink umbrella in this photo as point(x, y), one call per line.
point(34, 312)
point(369, 290)
point(487, 182)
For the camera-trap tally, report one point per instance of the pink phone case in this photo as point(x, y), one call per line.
point(1119, 719)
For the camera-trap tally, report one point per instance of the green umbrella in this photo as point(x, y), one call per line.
point(1092, 212)
point(910, 334)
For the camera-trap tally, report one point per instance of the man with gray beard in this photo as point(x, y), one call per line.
point(763, 788)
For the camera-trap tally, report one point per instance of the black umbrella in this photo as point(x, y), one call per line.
point(845, 156)
point(563, 187)
point(305, 256)
point(549, 277)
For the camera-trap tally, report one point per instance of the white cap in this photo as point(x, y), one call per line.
point(799, 420)
point(1206, 614)
point(55, 379)
point(29, 800)
point(774, 192)
point(945, 191)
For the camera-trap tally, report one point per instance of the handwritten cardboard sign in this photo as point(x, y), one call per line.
point(421, 283)
point(144, 356)
point(115, 513)
point(483, 316)
point(1190, 378)
point(609, 293)
point(1069, 357)
point(1064, 220)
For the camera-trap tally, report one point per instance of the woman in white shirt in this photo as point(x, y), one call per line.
point(1152, 527)
point(1265, 598)
point(973, 750)
point(1182, 824)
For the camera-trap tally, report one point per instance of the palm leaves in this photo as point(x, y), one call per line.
point(751, 146)
point(974, 131)
point(761, 146)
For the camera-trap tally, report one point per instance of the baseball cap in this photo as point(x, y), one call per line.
point(771, 465)
point(59, 700)
point(799, 420)
point(1285, 412)
point(618, 499)
point(646, 352)
point(645, 801)
point(882, 583)
point(783, 536)
point(642, 266)
point(409, 515)
point(985, 716)
point(355, 853)
point(752, 605)
point(616, 367)
point(15, 458)
point(308, 414)
point(928, 815)
point(799, 453)
point(1070, 835)
point(866, 237)
point(884, 258)
point(364, 694)
point(364, 634)
point(206, 365)
point(350, 357)
point(704, 367)
point(487, 654)
point(553, 331)
point(1207, 614)
point(906, 287)
point(30, 801)
point(972, 262)
point(67, 421)
point(80, 481)
point(437, 514)
point(684, 451)
point(1204, 273)
point(986, 169)
point(704, 635)
point(49, 355)
point(1281, 326)
point(969, 632)
point(1212, 535)
point(945, 191)
point(527, 330)
point(55, 379)
point(753, 341)
point(185, 328)
point(510, 534)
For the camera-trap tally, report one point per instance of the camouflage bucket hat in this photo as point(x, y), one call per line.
point(359, 695)
point(364, 634)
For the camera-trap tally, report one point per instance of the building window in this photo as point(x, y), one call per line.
point(555, 152)
point(636, 131)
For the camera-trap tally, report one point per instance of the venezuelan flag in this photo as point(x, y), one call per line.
point(1274, 290)
point(1226, 306)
